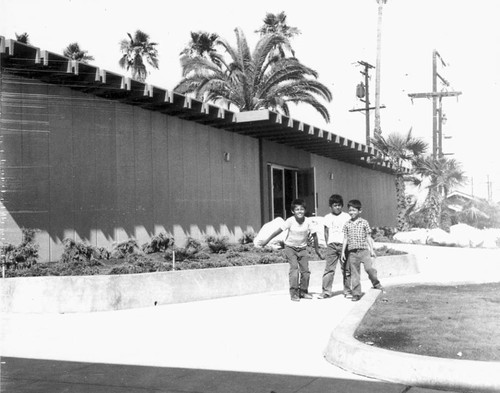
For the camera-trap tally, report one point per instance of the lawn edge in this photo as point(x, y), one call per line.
point(344, 351)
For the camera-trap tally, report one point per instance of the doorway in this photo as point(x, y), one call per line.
point(287, 184)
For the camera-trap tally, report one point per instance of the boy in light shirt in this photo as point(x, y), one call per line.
point(299, 229)
point(334, 223)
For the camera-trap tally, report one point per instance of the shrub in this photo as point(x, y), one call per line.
point(159, 243)
point(128, 247)
point(383, 234)
point(217, 244)
point(384, 251)
point(25, 254)
point(81, 252)
point(269, 259)
point(247, 237)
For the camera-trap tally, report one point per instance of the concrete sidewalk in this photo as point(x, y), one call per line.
point(256, 343)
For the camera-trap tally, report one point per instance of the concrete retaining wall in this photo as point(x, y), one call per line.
point(116, 292)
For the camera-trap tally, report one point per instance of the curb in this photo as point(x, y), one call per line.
point(344, 351)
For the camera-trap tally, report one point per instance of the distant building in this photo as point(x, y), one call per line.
point(98, 157)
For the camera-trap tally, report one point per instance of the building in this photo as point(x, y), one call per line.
point(98, 157)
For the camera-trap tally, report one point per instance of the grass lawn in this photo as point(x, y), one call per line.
point(457, 322)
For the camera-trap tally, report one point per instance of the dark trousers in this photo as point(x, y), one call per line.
point(332, 257)
point(299, 269)
point(355, 259)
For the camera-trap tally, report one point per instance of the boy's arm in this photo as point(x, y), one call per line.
point(271, 236)
point(316, 245)
point(371, 247)
point(326, 234)
point(344, 247)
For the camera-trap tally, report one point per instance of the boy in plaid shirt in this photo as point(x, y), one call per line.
point(359, 246)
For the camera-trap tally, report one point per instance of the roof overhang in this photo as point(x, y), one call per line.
point(31, 62)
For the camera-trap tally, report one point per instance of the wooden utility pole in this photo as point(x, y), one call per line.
point(363, 91)
point(437, 107)
point(377, 129)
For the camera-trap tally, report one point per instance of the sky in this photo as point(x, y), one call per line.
point(335, 35)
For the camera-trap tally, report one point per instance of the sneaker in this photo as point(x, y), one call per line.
point(295, 298)
point(348, 295)
point(306, 295)
point(355, 298)
point(378, 286)
point(325, 295)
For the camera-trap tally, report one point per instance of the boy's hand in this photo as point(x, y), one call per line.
point(373, 255)
point(342, 257)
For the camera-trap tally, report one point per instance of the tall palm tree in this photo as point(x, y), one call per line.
point(253, 80)
point(443, 174)
point(23, 37)
point(202, 44)
point(74, 52)
point(276, 24)
point(136, 51)
point(400, 150)
point(377, 128)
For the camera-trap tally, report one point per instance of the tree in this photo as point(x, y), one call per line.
point(253, 80)
point(276, 24)
point(74, 52)
point(442, 174)
point(202, 44)
point(23, 37)
point(138, 50)
point(400, 150)
point(378, 129)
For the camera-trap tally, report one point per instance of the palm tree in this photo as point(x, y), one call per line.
point(23, 37)
point(253, 80)
point(136, 51)
point(202, 44)
point(276, 24)
point(399, 150)
point(74, 52)
point(443, 174)
point(378, 129)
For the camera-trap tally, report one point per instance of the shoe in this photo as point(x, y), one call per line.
point(378, 286)
point(325, 295)
point(306, 295)
point(348, 295)
point(355, 298)
point(295, 298)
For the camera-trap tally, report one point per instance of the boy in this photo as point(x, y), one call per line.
point(299, 229)
point(334, 236)
point(359, 244)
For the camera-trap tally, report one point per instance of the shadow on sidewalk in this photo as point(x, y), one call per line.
point(21, 375)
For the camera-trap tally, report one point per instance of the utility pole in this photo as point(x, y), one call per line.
point(363, 91)
point(437, 105)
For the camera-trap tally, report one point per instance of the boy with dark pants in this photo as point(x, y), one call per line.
point(359, 246)
point(334, 223)
point(299, 229)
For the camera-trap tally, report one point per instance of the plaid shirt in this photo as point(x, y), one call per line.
point(357, 233)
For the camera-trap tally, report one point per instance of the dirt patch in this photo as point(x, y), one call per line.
point(458, 322)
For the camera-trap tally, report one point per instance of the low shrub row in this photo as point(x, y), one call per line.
point(160, 254)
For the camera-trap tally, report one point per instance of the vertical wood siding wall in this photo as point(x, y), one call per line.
point(102, 172)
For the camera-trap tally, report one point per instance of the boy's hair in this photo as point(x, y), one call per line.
point(297, 202)
point(354, 203)
point(336, 198)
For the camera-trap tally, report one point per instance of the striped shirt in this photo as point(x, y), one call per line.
point(357, 233)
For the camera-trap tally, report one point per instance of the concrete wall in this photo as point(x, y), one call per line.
point(115, 292)
point(100, 171)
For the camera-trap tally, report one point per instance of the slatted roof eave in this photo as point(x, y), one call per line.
point(28, 61)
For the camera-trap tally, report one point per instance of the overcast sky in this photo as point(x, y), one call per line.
point(333, 39)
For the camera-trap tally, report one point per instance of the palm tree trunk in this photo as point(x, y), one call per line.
point(378, 129)
point(401, 202)
point(433, 201)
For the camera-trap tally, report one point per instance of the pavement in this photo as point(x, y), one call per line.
point(253, 343)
